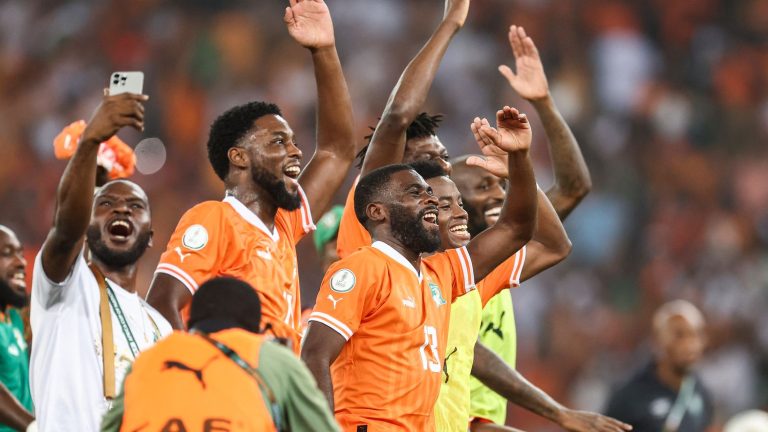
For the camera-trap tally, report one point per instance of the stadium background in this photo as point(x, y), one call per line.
point(669, 101)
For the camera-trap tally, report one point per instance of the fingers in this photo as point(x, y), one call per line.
point(288, 17)
point(507, 73)
point(529, 48)
point(515, 41)
point(475, 127)
point(477, 161)
point(483, 132)
point(293, 2)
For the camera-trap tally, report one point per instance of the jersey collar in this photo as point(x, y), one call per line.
point(397, 256)
point(251, 217)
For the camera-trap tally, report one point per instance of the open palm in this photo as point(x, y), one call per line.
point(309, 23)
point(511, 134)
point(530, 81)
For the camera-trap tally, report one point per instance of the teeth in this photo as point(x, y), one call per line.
point(430, 217)
point(18, 276)
point(121, 223)
point(458, 228)
point(493, 212)
point(294, 170)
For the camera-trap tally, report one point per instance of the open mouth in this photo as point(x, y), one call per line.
point(458, 229)
point(19, 279)
point(292, 171)
point(430, 217)
point(493, 213)
point(120, 229)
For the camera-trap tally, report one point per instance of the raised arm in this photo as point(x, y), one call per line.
point(517, 221)
point(572, 180)
point(309, 23)
point(408, 96)
point(321, 346)
point(492, 371)
point(75, 194)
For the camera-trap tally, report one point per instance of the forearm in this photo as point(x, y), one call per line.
point(520, 207)
point(492, 371)
point(12, 413)
point(322, 372)
point(572, 179)
point(335, 124)
point(75, 193)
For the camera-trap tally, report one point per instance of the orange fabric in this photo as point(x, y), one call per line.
point(185, 380)
point(388, 373)
point(218, 238)
point(506, 275)
point(114, 155)
point(352, 235)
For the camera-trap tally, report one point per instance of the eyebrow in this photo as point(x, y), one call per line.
point(130, 199)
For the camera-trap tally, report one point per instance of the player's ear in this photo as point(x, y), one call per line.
point(151, 236)
point(238, 157)
point(376, 212)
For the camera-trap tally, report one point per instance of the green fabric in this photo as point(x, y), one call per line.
point(327, 227)
point(499, 334)
point(304, 407)
point(14, 361)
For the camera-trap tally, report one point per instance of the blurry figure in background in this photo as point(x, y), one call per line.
point(325, 237)
point(223, 375)
point(115, 158)
point(88, 322)
point(15, 398)
point(748, 421)
point(666, 395)
point(252, 234)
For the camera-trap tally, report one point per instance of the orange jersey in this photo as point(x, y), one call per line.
point(352, 235)
point(506, 275)
point(395, 321)
point(225, 238)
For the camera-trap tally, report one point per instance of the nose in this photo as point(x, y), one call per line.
point(431, 199)
point(122, 207)
point(445, 165)
point(19, 260)
point(459, 212)
point(294, 151)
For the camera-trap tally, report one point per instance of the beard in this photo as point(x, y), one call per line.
point(476, 223)
point(276, 187)
point(112, 258)
point(11, 297)
point(409, 230)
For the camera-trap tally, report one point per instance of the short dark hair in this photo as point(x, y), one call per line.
point(424, 125)
point(370, 187)
point(225, 302)
point(231, 127)
point(428, 168)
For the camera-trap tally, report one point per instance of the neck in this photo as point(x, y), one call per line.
point(124, 276)
point(412, 257)
point(669, 376)
point(258, 200)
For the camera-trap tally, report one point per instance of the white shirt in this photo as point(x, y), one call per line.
point(66, 369)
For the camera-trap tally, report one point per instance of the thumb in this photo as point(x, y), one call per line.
point(508, 74)
point(477, 161)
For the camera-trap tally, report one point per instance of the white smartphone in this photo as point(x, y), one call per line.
point(126, 82)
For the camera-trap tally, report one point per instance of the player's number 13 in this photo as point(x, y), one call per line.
point(430, 340)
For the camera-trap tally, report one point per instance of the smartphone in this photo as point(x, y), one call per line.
point(126, 82)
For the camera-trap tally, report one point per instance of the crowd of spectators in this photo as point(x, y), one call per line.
point(669, 101)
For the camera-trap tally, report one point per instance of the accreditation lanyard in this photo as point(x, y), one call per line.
point(123, 323)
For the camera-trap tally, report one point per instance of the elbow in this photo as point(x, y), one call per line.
point(564, 248)
point(397, 117)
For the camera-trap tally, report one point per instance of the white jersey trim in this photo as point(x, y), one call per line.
point(333, 323)
point(179, 274)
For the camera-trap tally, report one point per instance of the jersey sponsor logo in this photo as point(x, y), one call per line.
point(437, 296)
point(334, 301)
point(182, 256)
point(409, 303)
point(660, 407)
point(195, 237)
point(343, 281)
point(209, 425)
point(13, 350)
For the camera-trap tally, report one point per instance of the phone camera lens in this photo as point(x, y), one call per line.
point(115, 82)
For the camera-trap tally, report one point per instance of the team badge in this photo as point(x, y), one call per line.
point(195, 237)
point(437, 296)
point(343, 281)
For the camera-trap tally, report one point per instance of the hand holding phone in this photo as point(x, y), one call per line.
point(126, 82)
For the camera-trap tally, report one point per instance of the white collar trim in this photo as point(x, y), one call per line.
point(397, 256)
point(251, 217)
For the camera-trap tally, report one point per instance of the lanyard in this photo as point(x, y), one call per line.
point(124, 324)
point(676, 414)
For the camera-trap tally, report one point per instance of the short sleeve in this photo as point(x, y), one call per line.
point(48, 293)
point(352, 235)
point(344, 296)
point(195, 248)
point(458, 264)
point(506, 275)
point(296, 222)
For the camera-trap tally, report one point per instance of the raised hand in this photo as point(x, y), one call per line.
point(494, 159)
point(584, 421)
point(512, 132)
point(530, 81)
point(456, 11)
point(309, 23)
point(114, 113)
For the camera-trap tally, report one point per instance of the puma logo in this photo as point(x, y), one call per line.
point(198, 373)
point(334, 301)
point(181, 254)
point(497, 329)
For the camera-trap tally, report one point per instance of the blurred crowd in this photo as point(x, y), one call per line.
point(669, 101)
